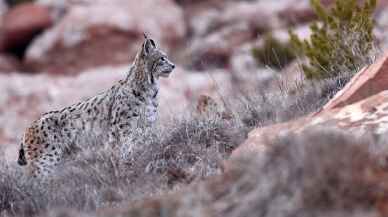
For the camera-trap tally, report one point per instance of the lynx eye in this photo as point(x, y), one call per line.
point(162, 59)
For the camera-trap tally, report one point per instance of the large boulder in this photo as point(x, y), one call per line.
point(21, 24)
point(359, 107)
point(105, 33)
point(365, 117)
point(369, 81)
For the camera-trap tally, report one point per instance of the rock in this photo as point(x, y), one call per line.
point(297, 12)
point(291, 75)
point(296, 178)
point(202, 20)
point(9, 63)
point(3, 7)
point(282, 35)
point(258, 15)
point(382, 27)
point(244, 64)
point(300, 11)
point(366, 116)
point(382, 4)
point(104, 34)
point(202, 16)
point(21, 24)
point(369, 81)
point(219, 30)
point(207, 107)
point(242, 60)
point(186, 3)
point(246, 74)
point(215, 50)
point(184, 87)
point(58, 8)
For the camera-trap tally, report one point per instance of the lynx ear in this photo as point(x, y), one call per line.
point(148, 45)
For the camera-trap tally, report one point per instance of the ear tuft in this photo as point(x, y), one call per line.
point(148, 45)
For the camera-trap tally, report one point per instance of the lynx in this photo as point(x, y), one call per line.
point(110, 116)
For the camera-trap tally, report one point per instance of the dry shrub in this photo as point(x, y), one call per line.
point(161, 160)
point(322, 172)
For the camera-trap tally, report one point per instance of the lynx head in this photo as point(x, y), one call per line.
point(154, 60)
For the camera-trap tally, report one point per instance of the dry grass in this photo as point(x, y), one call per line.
point(162, 160)
point(322, 172)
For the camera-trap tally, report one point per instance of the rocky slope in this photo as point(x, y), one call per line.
point(331, 163)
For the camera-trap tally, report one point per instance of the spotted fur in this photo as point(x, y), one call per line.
point(110, 116)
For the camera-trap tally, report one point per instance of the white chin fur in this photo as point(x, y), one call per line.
point(164, 74)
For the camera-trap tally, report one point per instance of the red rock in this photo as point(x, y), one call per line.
point(368, 115)
point(105, 33)
point(300, 11)
point(382, 206)
point(382, 4)
point(9, 63)
point(22, 23)
point(369, 81)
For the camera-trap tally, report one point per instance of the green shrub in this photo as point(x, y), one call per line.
point(273, 53)
point(341, 40)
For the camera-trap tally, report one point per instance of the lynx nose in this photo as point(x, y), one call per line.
point(173, 66)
